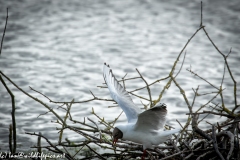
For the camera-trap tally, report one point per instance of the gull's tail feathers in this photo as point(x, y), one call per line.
point(163, 136)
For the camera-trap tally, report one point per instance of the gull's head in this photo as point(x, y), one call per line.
point(117, 134)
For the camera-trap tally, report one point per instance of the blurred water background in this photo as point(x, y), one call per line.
point(59, 47)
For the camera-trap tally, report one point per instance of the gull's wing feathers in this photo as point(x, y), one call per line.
point(152, 119)
point(120, 95)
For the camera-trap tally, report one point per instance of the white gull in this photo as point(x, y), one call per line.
point(145, 127)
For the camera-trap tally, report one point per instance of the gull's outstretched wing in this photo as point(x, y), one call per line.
point(153, 119)
point(120, 95)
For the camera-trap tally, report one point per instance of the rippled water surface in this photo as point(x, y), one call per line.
point(59, 47)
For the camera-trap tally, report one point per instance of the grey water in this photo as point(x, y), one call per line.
point(59, 47)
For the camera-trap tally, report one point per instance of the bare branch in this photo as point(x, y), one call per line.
point(148, 88)
point(4, 32)
point(215, 143)
point(100, 133)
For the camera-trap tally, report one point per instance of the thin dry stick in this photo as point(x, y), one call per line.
point(197, 129)
point(124, 81)
point(10, 138)
point(203, 94)
point(100, 133)
point(4, 32)
point(173, 155)
point(224, 68)
point(65, 119)
point(195, 74)
point(159, 80)
point(181, 65)
point(50, 109)
point(207, 114)
point(225, 59)
point(67, 152)
point(174, 65)
point(215, 143)
point(13, 115)
point(102, 121)
point(57, 150)
point(86, 135)
point(201, 16)
point(231, 141)
point(183, 128)
point(223, 125)
point(182, 92)
point(116, 119)
point(221, 95)
point(203, 155)
point(40, 93)
point(92, 99)
point(208, 102)
point(215, 113)
point(139, 96)
point(149, 91)
point(39, 147)
point(82, 123)
point(194, 98)
point(12, 96)
point(186, 100)
point(78, 151)
point(229, 52)
point(99, 156)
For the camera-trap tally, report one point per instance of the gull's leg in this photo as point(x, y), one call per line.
point(144, 154)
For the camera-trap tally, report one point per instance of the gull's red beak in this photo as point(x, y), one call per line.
point(115, 141)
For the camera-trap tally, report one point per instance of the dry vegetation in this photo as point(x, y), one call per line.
point(219, 142)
